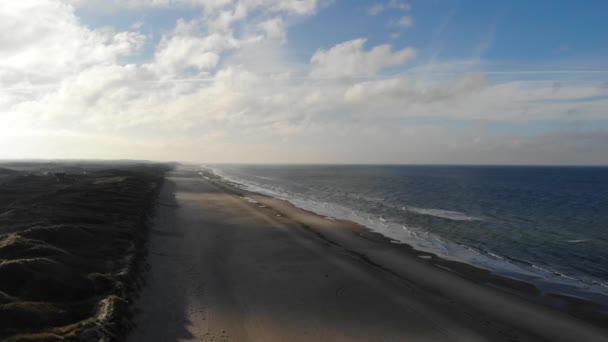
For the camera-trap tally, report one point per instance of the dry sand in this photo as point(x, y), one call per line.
point(229, 268)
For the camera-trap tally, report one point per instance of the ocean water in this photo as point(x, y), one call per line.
point(545, 225)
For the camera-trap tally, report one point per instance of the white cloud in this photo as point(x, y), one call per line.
point(42, 45)
point(399, 5)
point(404, 91)
point(273, 29)
point(43, 39)
point(296, 7)
point(137, 25)
point(300, 7)
point(378, 8)
point(223, 87)
point(349, 59)
point(188, 50)
point(222, 20)
point(405, 22)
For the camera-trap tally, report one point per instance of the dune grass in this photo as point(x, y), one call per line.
point(71, 250)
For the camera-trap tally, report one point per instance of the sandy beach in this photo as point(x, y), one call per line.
point(228, 265)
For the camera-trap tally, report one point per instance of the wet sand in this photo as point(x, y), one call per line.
point(224, 267)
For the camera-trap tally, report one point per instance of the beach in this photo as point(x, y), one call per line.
point(231, 265)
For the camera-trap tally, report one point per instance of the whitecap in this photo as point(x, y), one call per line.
point(447, 214)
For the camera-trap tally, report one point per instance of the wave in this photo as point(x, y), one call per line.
point(446, 214)
point(421, 239)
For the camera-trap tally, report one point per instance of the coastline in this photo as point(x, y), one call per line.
point(579, 308)
point(483, 243)
point(227, 264)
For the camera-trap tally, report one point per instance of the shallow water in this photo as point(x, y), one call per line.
point(547, 225)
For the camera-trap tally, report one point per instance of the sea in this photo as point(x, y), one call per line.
point(546, 225)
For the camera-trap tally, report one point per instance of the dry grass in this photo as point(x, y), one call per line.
point(70, 252)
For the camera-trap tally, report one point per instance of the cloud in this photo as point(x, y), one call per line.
point(296, 7)
point(188, 49)
point(273, 29)
point(223, 86)
point(401, 91)
point(349, 59)
point(137, 25)
point(47, 41)
point(48, 45)
point(405, 22)
point(378, 8)
point(399, 5)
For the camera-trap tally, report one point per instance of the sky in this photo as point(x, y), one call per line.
point(306, 81)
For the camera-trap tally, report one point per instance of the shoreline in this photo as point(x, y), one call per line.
point(230, 265)
point(580, 308)
point(547, 280)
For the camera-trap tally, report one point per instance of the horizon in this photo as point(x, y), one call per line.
point(203, 164)
point(306, 82)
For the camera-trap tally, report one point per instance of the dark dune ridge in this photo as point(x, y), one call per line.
point(71, 244)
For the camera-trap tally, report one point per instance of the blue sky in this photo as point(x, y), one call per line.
point(433, 81)
point(507, 35)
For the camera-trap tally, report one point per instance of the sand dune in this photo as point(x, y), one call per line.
point(71, 246)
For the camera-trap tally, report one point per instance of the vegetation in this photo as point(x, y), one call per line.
point(71, 246)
